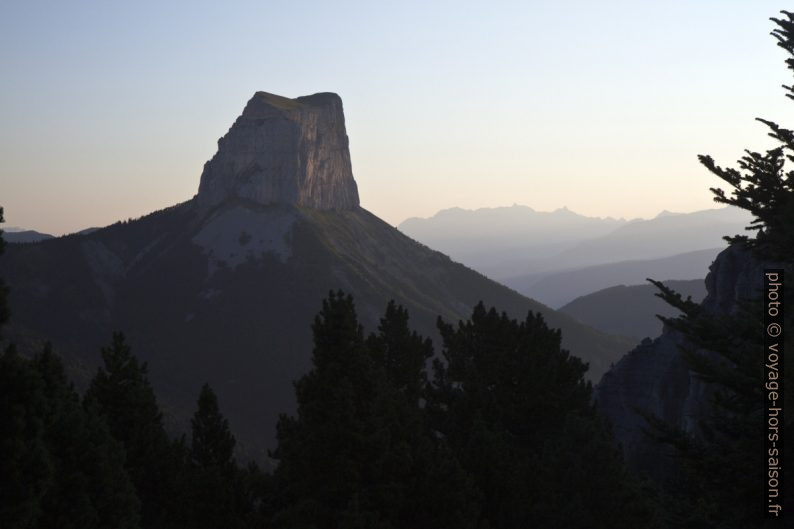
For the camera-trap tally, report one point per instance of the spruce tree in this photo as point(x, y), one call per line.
point(25, 464)
point(360, 453)
point(761, 184)
point(516, 411)
point(90, 488)
point(423, 485)
point(60, 465)
point(121, 393)
point(722, 468)
point(402, 353)
point(217, 495)
point(328, 453)
point(213, 443)
point(720, 476)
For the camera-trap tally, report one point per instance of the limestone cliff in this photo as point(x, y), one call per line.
point(281, 150)
point(655, 376)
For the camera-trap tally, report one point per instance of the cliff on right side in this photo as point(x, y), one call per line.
point(655, 377)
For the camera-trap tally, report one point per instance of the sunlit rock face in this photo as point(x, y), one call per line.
point(286, 151)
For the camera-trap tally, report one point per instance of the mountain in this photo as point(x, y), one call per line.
point(223, 288)
point(655, 376)
point(665, 235)
point(503, 242)
point(15, 235)
point(23, 236)
point(557, 289)
point(630, 310)
point(282, 150)
point(516, 241)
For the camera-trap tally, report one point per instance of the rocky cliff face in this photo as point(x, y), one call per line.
point(285, 151)
point(655, 376)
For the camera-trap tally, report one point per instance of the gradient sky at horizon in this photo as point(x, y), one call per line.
point(109, 110)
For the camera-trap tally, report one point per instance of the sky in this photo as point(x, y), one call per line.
point(108, 110)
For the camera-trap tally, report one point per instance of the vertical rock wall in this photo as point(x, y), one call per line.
point(281, 150)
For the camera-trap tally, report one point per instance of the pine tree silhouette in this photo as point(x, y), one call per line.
point(721, 477)
point(213, 443)
point(121, 393)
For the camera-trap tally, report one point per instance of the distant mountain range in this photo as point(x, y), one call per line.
point(538, 253)
point(631, 310)
point(504, 242)
point(558, 288)
point(21, 235)
point(224, 287)
point(665, 235)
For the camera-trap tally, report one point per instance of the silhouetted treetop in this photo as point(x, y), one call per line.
point(761, 184)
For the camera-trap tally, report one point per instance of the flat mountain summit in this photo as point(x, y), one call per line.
point(284, 151)
point(223, 288)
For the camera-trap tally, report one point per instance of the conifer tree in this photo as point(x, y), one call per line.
point(213, 443)
point(423, 486)
point(720, 470)
point(219, 494)
point(516, 411)
point(121, 393)
point(89, 488)
point(60, 465)
point(721, 478)
point(761, 185)
point(25, 465)
point(327, 454)
point(359, 453)
point(402, 353)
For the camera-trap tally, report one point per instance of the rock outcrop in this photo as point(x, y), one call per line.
point(287, 151)
point(656, 378)
point(225, 292)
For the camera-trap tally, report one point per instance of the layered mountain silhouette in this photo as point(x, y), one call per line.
point(518, 245)
point(555, 289)
point(507, 241)
point(665, 235)
point(223, 288)
point(631, 310)
point(20, 235)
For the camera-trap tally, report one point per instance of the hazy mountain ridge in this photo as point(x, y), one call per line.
point(17, 235)
point(557, 289)
point(25, 236)
point(665, 235)
point(499, 242)
point(631, 310)
point(516, 242)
